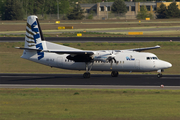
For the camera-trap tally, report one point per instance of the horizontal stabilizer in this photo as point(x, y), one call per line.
point(28, 49)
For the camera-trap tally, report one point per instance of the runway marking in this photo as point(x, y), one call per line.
point(22, 76)
point(89, 86)
point(170, 77)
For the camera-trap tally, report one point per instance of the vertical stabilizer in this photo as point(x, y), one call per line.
point(34, 38)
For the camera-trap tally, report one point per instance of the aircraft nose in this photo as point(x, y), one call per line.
point(168, 65)
point(163, 64)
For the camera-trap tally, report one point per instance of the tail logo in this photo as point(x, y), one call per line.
point(33, 41)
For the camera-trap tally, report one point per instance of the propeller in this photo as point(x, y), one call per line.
point(111, 58)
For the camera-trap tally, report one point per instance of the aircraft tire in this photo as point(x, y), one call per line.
point(86, 75)
point(159, 75)
point(114, 73)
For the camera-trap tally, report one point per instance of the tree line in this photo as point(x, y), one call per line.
point(171, 11)
point(19, 9)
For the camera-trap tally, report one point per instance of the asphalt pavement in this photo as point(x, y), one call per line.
point(100, 81)
point(94, 39)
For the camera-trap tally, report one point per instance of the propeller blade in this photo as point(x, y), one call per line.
point(114, 59)
point(111, 64)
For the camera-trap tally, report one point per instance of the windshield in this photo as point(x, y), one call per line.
point(151, 58)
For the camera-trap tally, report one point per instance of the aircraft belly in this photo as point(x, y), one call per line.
point(101, 66)
point(74, 65)
point(147, 66)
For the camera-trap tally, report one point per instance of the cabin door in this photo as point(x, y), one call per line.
point(137, 64)
point(60, 61)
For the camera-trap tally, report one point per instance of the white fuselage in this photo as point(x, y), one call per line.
point(55, 55)
point(126, 61)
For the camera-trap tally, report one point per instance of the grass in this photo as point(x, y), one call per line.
point(12, 63)
point(10, 29)
point(89, 104)
point(171, 33)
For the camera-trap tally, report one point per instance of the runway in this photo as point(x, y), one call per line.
point(94, 39)
point(97, 81)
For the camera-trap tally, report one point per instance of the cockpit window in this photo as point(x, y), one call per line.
point(151, 58)
point(148, 58)
point(154, 58)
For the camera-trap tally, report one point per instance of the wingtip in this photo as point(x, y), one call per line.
point(157, 46)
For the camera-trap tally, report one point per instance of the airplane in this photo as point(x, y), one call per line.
point(38, 50)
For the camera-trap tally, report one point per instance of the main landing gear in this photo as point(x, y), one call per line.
point(114, 73)
point(87, 74)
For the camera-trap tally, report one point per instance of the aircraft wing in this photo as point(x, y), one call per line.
point(70, 52)
point(79, 52)
point(143, 49)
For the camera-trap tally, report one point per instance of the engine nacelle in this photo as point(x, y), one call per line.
point(104, 57)
point(100, 58)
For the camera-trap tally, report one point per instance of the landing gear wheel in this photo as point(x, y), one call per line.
point(86, 75)
point(114, 73)
point(159, 75)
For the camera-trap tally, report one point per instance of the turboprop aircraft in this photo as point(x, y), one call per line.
point(132, 60)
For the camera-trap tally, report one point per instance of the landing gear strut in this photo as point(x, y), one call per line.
point(159, 75)
point(114, 73)
point(87, 74)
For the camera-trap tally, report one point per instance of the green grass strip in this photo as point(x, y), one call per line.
point(87, 104)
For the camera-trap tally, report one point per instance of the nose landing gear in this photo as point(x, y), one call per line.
point(159, 75)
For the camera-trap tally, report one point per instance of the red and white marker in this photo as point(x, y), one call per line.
point(162, 86)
